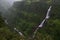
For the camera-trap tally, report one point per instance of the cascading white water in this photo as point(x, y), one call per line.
point(18, 31)
point(42, 23)
point(14, 28)
point(47, 17)
point(6, 22)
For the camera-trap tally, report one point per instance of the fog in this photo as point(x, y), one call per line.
point(5, 4)
point(12, 1)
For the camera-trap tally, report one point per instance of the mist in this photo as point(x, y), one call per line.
point(5, 5)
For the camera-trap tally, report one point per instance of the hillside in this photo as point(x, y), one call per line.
point(26, 18)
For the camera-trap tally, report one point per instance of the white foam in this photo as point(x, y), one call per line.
point(6, 22)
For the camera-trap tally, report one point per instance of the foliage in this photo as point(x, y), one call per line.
point(26, 19)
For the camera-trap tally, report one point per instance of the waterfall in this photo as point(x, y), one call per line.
point(18, 31)
point(47, 17)
point(6, 21)
point(42, 23)
point(14, 28)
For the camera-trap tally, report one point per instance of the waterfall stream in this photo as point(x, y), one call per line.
point(42, 23)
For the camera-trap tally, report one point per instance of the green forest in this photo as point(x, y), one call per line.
point(26, 17)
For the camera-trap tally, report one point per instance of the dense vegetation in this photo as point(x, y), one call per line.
point(26, 17)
